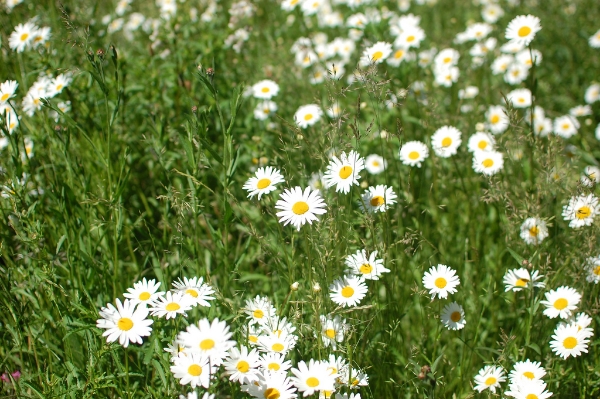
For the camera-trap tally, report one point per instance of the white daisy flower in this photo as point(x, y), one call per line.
point(413, 153)
point(581, 110)
point(298, 207)
point(126, 322)
point(594, 40)
point(446, 58)
point(581, 210)
point(197, 292)
point(445, 141)
point(561, 302)
point(592, 267)
point(8, 90)
point(516, 74)
point(144, 292)
point(453, 316)
point(271, 385)
point(534, 231)
point(171, 305)
point(277, 342)
point(528, 389)
point(369, 267)
point(259, 310)
point(348, 290)
point(312, 377)
point(490, 378)
point(208, 339)
point(307, 115)
point(569, 340)
point(273, 361)
point(583, 321)
point(264, 109)
point(265, 89)
point(263, 182)
point(500, 64)
point(241, 365)
point(440, 280)
point(332, 330)
point(377, 199)
point(412, 36)
point(522, 29)
point(592, 93)
point(527, 371)
point(520, 98)
point(524, 57)
point(398, 56)
point(376, 54)
point(193, 369)
point(344, 172)
point(375, 164)
point(22, 37)
point(481, 141)
point(496, 118)
point(590, 176)
point(517, 279)
point(565, 126)
point(488, 162)
point(468, 93)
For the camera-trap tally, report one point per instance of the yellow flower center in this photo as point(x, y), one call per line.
point(561, 303)
point(330, 332)
point(243, 366)
point(570, 342)
point(347, 291)
point(529, 375)
point(482, 144)
point(565, 126)
point(265, 90)
point(366, 268)
point(4, 97)
point(312, 382)
point(258, 314)
point(253, 338)
point(487, 163)
point(455, 316)
point(583, 212)
point(272, 393)
point(24, 36)
point(377, 55)
point(375, 163)
point(308, 117)
point(534, 231)
point(440, 282)
point(263, 183)
point(597, 270)
point(300, 208)
point(192, 292)
point(125, 324)
point(447, 60)
point(524, 31)
point(144, 296)
point(521, 282)
point(345, 172)
point(410, 39)
point(413, 155)
point(490, 381)
point(446, 142)
point(59, 87)
point(207, 344)
point(377, 200)
point(398, 54)
point(274, 366)
point(172, 307)
point(194, 370)
point(277, 347)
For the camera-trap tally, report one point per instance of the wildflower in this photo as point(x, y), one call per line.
point(22, 37)
point(242, 366)
point(489, 377)
point(332, 330)
point(590, 176)
point(265, 89)
point(263, 182)
point(594, 40)
point(481, 141)
point(528, 389)
point(453, 316)
point(368, 267)
point(581, 210)
point(208, 339)
point(57, 84)
point(298, 207)
point(581, 110)
point(171, 305)
point(308, 115)
point(144, 292)
point(126, 322)
point(561, 302)
point(344, 172)
point(488, 162)
point(522, 29)
point(440, 280)
point(312, 377)
point(565, 126)
point(196, 291)
point(413, 153)
point(376, 54)
point(497, 120)
point(375, 164)
point(277, 342)
point(348, 290)
point(193, 369)
point(271, 385)
point(569, 340)
point(8, 90)
point(592, 93)
point(592, 267)
point(412, 36)
point(517, 279)
point(520, 98)
point(377, 199)
point(527, 370)
point(445, 141)
point(264, 109)
point(272, 361)
point(259, 309)
point(534, 231)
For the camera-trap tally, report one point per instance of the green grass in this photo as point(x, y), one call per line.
point(138, 183)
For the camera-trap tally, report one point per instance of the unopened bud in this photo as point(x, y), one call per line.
point(421, 376)
point(425, 369)
point(194, 109)
point(100, 53)
point(295, 286)
point(316, 287)
point(210, 71)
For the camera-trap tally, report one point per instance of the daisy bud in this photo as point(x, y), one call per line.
point(316, 287)
point(100, 53)
point(295, 286)
point(480, 127)
point(425, 369)
point(210, 71)
point(194, 109)
point(421, 376)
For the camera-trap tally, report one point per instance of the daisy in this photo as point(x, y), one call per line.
point(581, 210)
point(468, 93)
point(264, 109)
point(522, 29)
point(312, 377)
point(488, 162)
point(412, 36)
point(590, 176)
point(501, 64)
point(298, 207)
point(489, 377)
point(375, 164)
point(208, 339)
point(534, 231)
point(446, 58)
point(308, 115)
point(377, 199)
point(263, 182)
point(517, 279)
point(196, 291)
point(8, 90)
point(581, 110)
point(496, 118)
point(527, 370)
point(491, 13)
point(193, 369)
point(583, 321)
point(520, 98)
point(126, 322)
point(527, 58)
point(271, 385)
point(332, 330)
point(368, 267)
point(440, 280)
point(171, 305)
point(592, 266)
point(453, 316)
point(445, 141)
point(144, 292)
point(592, 93)
point(348, 290)
point(565, 126)
point(259, 310)
point(399, 55)
point(22, 37)
point(265, 89)
point(272, 361)
point(376, 54)
point(344, 172)
point(516, 74)
point(561, 302)
point(594, 40)
point(528, 389)
point(569, 340)
point(353, 378)
point(413, 153)
point(279, 342)
point(481, 141)
point(242, 366)
point(57, 84)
